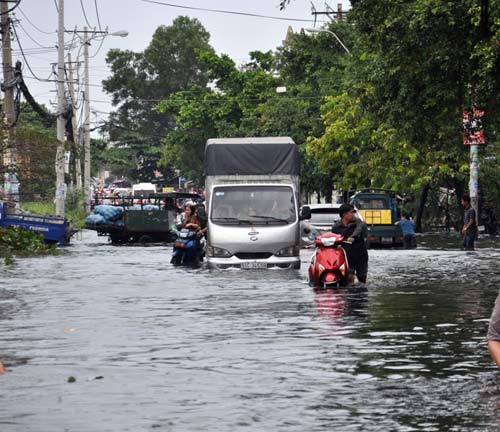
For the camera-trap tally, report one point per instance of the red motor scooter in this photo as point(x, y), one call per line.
point(329, 266)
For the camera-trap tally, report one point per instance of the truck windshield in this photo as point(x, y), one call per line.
point(256, 205)
point(372, 203)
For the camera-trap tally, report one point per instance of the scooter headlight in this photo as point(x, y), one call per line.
point(289, 251)
point(328, 241)
point(218, 252)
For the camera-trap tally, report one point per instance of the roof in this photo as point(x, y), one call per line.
point(251, 140)
point(251, 156)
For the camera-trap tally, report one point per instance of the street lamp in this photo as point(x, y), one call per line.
point(321, 30)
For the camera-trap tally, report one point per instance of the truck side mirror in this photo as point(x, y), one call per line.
point(305, 213)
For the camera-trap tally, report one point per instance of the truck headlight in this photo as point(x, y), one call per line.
point(288, 251)
point(213, 251)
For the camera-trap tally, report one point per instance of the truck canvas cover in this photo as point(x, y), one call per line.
point(251, 156)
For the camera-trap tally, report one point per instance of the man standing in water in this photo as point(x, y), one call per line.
point(355, 232)
point(469, 231)
point(493, 335)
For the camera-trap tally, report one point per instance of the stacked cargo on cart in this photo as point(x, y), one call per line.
point(151, 220)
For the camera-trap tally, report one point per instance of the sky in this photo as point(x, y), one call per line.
point(231, 34)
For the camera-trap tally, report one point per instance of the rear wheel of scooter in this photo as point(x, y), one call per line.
point(176, 259)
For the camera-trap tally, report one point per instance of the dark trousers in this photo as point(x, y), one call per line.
point(358, 263)
point(409, 241)
point(469, 241)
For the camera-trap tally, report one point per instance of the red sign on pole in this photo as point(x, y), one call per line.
point(472, 127)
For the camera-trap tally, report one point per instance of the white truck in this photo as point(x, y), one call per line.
point(252, 202)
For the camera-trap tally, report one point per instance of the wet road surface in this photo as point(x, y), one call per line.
point(153, 347)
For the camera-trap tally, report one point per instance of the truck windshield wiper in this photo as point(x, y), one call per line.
point(272, 218)
point(231, 219)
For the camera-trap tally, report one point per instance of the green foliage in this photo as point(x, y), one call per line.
point(416, 66)
point(74, 207)
point(39, 207)
point(139, 80)
point(21, 242)
point(244, 102)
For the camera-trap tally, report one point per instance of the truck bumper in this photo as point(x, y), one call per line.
point(254, 264)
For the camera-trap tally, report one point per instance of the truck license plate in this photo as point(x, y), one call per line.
point(386, 239)
point(253, 265)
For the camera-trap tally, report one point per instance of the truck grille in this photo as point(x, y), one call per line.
point(255, 255)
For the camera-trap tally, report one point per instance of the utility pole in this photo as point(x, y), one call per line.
point(87, 172)
point(78, 166)
point(11, 183)
point(330, 13)
point(60, 185)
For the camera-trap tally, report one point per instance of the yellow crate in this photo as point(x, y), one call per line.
point(376, 217)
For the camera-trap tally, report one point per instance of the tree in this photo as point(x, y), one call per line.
point(139, 81)
point(413, 67)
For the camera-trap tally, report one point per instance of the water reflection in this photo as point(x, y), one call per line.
point(339, 303)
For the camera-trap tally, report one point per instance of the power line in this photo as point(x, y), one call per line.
point(97, 14)
point(29, 36)
point(55, 80)
point(84, 13)
point(33, 25)
point(98, 48)
point(24, 57)
point(227, 12)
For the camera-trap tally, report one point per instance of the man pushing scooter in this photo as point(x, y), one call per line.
point(355, 233)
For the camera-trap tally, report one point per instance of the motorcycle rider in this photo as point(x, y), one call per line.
point(355, 233)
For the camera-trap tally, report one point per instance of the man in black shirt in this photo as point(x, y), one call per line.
point(469, 231)
point(355, 234)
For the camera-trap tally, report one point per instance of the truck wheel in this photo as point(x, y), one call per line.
point(145, 238)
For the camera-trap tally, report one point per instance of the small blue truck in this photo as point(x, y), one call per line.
point(55, 229)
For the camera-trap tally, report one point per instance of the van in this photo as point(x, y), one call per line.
point(143, 190)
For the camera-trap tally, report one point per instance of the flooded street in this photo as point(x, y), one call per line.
point(153, 347)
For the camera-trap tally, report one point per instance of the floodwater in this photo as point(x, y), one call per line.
point(153, 347)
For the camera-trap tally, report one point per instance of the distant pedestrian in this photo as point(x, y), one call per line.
point(469, 230)
point(408, 228)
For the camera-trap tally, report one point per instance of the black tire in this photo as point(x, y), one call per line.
point(176, 260)
point(145, 238)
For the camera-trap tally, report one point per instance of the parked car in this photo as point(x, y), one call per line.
point(323, 216)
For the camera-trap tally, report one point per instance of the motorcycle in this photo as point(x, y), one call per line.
point(186, 249)
point(329, 266)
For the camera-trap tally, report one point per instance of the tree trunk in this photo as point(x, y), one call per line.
point(421, 207)
point(329, 191)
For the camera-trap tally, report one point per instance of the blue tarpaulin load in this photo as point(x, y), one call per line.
point(104, 215)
